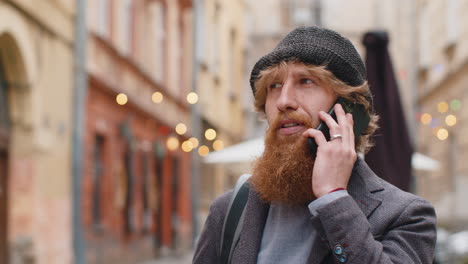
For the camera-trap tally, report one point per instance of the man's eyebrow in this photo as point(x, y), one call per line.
point(307, 73)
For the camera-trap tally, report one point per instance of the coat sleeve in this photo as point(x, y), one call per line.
point(409, 238)
point(207, 249)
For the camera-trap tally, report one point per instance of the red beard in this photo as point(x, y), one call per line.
point(284, 172)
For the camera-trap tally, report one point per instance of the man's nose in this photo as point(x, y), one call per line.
point(287, 99)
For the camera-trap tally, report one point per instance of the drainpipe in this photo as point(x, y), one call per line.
point(79, 110)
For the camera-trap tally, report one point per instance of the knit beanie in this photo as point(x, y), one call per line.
point(316, 46)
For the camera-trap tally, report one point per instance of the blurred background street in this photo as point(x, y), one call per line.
point(122, 120)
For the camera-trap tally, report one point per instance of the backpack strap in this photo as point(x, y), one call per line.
point(234, 218)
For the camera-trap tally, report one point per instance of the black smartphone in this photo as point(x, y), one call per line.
point(360, 117)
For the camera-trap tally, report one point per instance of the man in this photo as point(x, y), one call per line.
point(327, 207)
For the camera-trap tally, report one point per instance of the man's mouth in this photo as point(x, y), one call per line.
point(289, 127)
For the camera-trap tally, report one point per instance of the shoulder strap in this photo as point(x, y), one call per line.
point(234, 218)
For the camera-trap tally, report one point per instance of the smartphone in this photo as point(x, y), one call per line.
point(360, 117)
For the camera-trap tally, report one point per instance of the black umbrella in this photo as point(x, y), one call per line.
point(390, 158)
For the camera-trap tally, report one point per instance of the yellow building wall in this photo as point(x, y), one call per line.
point(220, 85)
point(41, 112)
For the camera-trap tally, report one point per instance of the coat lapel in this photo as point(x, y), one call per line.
point(362, 185)
point(251, 234)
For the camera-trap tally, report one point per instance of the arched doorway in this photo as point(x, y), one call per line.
point(13, 91)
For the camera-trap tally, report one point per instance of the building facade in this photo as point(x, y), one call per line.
point(442, 99)
point(220, 58)
point(136, 179)
point(36, 80)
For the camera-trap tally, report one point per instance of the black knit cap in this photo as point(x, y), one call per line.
point(316, 46)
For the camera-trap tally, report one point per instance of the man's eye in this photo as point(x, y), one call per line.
point(307, 81)
point(275, 85)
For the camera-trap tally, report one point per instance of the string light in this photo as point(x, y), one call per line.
point(194, 141)
point(442, 107)
point(192, 98)
point(187, 146)
point(442, 134)
point(157, 97)
point(203, 150)
point(172, 143)
point(181, 128)
point(451, 120)
point(210, 134)
point(426, 119)
point(455, 104)
point(218, 144)
point(121, 99)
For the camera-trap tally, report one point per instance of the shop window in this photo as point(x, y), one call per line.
point(175, 219)
point(159, 169)
point(147, 220)
point(129, 214)
point(98, 168)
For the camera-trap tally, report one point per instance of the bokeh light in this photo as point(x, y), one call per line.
point(451, 120)
point(192, 98)
point(442, 134)
point(203, 150)
point(442, 107)
point(157, 97)
point(181, 128)
point(172, 143)
point(210, 134)
point(426, 118)
point(121, 99)
point(187, 146)
point(194, 141)
point(218, 144)
point(455, 104)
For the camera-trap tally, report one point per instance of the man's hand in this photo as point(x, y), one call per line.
point(335, 158)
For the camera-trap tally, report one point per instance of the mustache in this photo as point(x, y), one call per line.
point(296, 117)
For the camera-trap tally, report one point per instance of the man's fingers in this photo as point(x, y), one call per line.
point(330, 122)
point(316, 134)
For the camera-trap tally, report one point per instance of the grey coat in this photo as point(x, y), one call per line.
point(377, 223)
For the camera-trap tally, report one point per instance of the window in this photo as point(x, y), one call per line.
point(216, 39)
point(452, 21)
point(98, 166)
point(128, 20)
point(103, 19)
point(232, 64)
point(160, 40)
point(424, 38)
